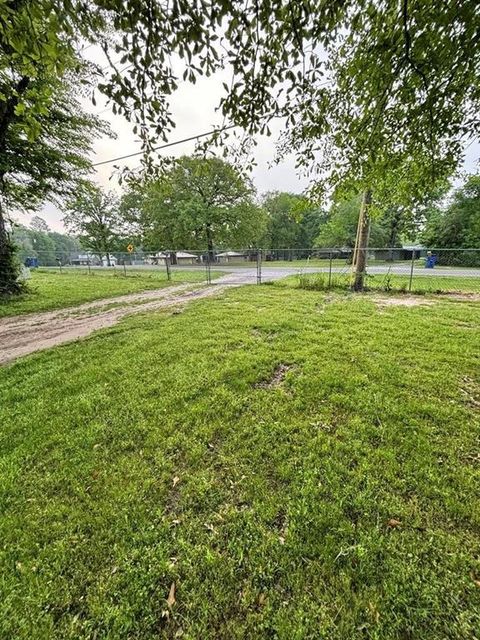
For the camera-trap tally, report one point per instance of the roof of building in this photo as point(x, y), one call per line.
point(229, 254)
point(184, 254)
point(179, 254)
point(410, 247)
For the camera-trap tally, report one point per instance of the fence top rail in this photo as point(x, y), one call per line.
point(234, 250)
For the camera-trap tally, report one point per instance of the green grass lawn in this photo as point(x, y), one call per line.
point(50, 289)
point(298, 465)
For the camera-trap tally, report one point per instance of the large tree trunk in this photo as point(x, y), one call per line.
point(361, 243)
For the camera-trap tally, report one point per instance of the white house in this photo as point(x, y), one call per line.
point(84, 259)
point(113, 261)
point(156, 258)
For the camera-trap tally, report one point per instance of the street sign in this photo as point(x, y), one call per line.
point(130, 248)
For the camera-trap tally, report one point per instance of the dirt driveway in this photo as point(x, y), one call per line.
point(21, 335)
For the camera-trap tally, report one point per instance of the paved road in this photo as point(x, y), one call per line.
point(248, 274)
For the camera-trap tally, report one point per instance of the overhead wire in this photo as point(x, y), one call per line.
point(165, 146)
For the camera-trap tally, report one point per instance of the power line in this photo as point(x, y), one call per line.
point(164, 146)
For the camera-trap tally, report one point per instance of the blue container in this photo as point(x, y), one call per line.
point(31, 263)
point(430, 262)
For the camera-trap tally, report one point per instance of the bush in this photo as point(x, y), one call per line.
point(10, 271)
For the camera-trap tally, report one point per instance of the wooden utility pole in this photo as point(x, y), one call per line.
point(359, 263)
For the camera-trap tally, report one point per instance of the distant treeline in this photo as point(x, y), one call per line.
point(41, 242)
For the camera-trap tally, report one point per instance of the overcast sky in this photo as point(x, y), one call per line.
point(193, 109)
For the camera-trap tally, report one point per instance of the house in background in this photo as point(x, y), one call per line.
point(156, 258)
point(183, 257)
point(175, 257)
point(394, 254)
point(113, 261)
point(231, 256)
point(84, 259)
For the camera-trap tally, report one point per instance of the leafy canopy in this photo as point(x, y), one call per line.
point(401, 96)
point(341, 228)
point(456, 225)
point(197, 202)
point(385, 89)
point(292, 222)
point(144, 41)
point(50, 164)
point(94, 216)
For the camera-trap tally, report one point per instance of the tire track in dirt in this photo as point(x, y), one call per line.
point(22, 335)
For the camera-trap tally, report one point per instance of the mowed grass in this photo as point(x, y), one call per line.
point(51, 289)
point(284, 463)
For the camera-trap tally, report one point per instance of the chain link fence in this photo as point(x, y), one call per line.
point(410, 269)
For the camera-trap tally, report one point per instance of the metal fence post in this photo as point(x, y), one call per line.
point(167, 266)
point(411, 270)
point(259, 266)
point(207, 268)
point(330, 270)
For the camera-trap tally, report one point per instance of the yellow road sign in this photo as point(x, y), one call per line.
point(130, 248)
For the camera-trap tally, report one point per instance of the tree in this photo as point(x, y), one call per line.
point(293, 222)
point(198, 202)
point(45, 165)
point(94, 216)
point(456, 225)
point(64, 245)
point(311, 223)
point(341, 228)
point(284, 213)
point(47, 246)
point(34, 243)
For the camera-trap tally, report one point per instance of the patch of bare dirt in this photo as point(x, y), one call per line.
point(467, 297)
point(471, 392)
point(22, 335)
point(276, 379)
point(471, 458)
point(402, 301)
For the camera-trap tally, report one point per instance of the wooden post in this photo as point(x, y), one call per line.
point(359, 264)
